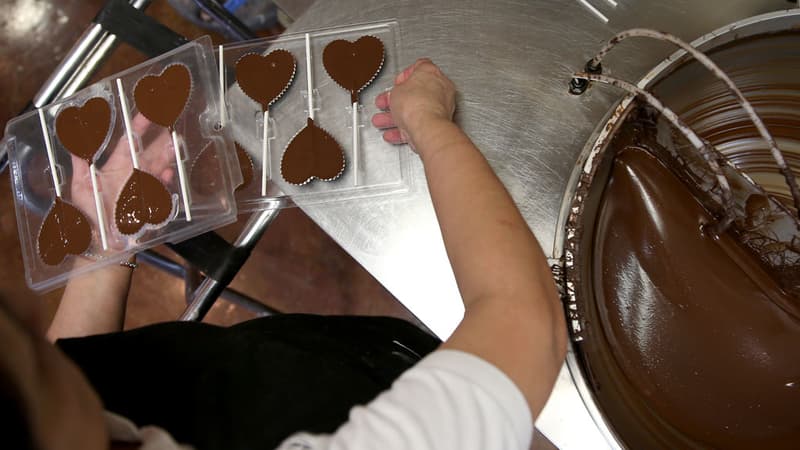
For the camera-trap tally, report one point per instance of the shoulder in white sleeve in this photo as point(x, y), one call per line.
point(449, 400)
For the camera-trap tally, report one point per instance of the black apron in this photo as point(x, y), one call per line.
point(251, 385)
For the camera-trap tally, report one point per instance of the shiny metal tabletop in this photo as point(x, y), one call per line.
point(511, 61)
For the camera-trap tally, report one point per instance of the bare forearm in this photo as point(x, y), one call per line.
point(505, 282)
point(92, 304)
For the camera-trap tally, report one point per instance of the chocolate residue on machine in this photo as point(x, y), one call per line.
point(687, 341)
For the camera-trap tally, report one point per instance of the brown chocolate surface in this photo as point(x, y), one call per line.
point(312, 153)
point(692, 321)
point(688, 341)
point(83, 129)
point(353, 65)
point(65, 231)
point(143, 200)
point(162, 98)
point(246, 166)
point(265, 78)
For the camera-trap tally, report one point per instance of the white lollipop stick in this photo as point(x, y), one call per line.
point(265, 162)
point(50, 156)
point(182, 176)
point(128, 127)
point(98, 206)
point(308, 78)
point(355, 143)
point(222, 112)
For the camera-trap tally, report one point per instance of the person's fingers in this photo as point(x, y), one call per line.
point(383, 120)
point(406, 74)
point(139, 123)
point(167, 174)
point(394, 136)
point(382, 100)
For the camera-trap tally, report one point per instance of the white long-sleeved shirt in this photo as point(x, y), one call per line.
point(449, 400)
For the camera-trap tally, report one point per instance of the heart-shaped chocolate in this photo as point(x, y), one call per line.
point(353, 65)
point(162, 98)
point(143, 200)
point(312, 153)
point(82, 130)
point(65, 231)
point(265, 78)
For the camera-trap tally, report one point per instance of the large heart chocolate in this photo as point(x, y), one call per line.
point(143, 200)
point(353, 65)
point(265, 78)
point(82, 130)
point(65, 231)
point(162, 98)
point(312, 153)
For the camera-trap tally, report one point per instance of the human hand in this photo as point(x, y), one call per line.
point(157, 158)
point(422, 94)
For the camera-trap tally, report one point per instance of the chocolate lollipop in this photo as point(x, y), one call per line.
point(65, 229)
point(82, 131)
point(353, 66)
point(312, 152)
point(162, 99)
point(265, 79)
point(143, 199)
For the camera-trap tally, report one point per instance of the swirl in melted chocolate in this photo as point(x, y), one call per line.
point(690, 342)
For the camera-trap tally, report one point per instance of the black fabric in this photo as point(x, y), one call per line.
point(251, 385)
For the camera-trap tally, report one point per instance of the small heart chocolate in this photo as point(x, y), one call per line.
point(143, 200)
point(312, 153)
point(162, 98)
point(353, 65)
point(65, 231)
point(82, 130)
point(265, 78)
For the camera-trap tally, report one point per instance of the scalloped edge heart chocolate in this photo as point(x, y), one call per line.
point(311, 125)
point(249, 92)
point(327, 61)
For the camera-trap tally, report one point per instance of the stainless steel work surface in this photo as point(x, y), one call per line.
point(511, 61)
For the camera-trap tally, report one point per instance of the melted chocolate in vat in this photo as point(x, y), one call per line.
point(690, 343)
point(143, 200)
point(353, 65)
point(265, 78)
point(82, 130)
point(65, 231)
point(312, 153)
